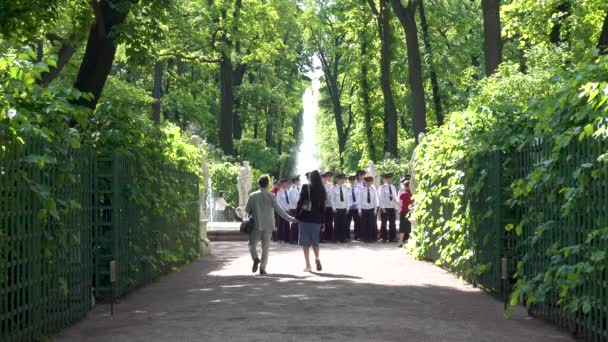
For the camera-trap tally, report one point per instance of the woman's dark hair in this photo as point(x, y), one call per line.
point(317, 190)
point(263, 182)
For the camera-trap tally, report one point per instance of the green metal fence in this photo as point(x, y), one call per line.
point(589, 214)
point(48, 267)
point(134, 233)
point(45, 268)
point(490, 241)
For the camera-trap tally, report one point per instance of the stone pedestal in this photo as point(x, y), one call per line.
point(204, 243)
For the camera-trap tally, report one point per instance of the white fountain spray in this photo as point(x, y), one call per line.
point(307, 157)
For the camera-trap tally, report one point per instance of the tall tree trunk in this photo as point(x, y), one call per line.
point(492, 44)
point(39, 50)
point(602, 43)
point(227, 103)
point(564, 11)
point(432, 71)
point(256, 127)
point(367, 107)
point(407, 18)
point(269, 126)
point(101, 49)
point(331, 80)
point(239, 74)
point(157, 90)
point(337, 108)
point(64, 56)
point(280, 139)
point(390, 110)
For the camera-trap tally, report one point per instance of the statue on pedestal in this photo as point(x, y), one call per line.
point(244, 185)
point(373, 172)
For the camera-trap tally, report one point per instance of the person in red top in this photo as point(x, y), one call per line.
point(405, 201)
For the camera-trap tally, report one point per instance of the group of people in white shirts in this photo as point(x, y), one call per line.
point(351, 201)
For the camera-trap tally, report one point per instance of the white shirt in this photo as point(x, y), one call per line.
point(329, 202)
point(220, 204)
point(388, 197)
point(373, 198)
point(353, 197)
point(294, 197)
point(337, 202)
point(283, 199)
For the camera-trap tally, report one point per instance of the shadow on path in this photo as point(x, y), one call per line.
point(379, 294)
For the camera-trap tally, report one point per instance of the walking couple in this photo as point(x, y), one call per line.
point(310, 215)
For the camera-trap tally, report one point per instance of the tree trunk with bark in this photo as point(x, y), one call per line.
point(433, 73)
point(39, 50)
point(157, 90)
point(239, 74)
point(226, 104)
point(390, 110)
point(564, 11)
point(270, 117)
point(331, 72)
point(367, 107)
point(101, 49)
point(407, 18)
point(492, 44)
point(602, 43)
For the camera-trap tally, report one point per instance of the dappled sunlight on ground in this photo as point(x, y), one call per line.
point(366, 292)
point(382, 264)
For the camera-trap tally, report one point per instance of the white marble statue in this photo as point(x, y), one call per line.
point(373, 172)
point(244, 185)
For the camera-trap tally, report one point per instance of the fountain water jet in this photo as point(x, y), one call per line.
point(307, 157)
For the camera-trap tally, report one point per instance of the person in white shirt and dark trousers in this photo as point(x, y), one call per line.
point(340, 205)
point(353, 212)
point(294, 197)
point(220, 207)
point(284, 203)
point(328, 234)
point(368, 210)
point(389, 201)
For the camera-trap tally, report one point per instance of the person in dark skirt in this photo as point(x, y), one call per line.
point(405, 201)
point(311, 215)
point(368, 211)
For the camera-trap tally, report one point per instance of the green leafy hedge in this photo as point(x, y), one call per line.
point(567, 114)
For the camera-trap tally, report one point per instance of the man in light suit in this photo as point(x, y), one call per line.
point(262, 205)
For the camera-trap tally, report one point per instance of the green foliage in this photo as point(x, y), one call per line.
point(258, 154)
point(224, 176)
point(515, 111)
point(569, 123)
point(32, 114)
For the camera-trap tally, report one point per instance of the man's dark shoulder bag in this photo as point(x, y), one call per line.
point(247, 226)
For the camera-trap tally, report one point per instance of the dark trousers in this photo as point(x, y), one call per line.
point(368, 225)
point(389, 215)
point(283, 231)
point(329, 234)
point(275, 232)
point(341, 226)
point(353, 216)
point(405, 226)
point(294, 228)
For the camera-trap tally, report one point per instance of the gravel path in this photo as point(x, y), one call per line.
point(366, 292)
